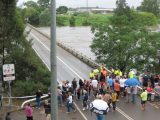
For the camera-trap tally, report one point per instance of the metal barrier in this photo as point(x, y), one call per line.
point(24, 97)
point(31, 100)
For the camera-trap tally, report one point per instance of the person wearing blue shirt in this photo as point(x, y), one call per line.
point(111, 83)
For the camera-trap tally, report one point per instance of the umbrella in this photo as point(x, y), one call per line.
point(132, 82)
point(99, 107)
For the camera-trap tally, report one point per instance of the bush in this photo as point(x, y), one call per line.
point(85, 22)
point(144, 18)
point(28, 87)
point(62, 20)
point(72, 21)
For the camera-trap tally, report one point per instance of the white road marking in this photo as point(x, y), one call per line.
point(63, 63)
point(118, 109)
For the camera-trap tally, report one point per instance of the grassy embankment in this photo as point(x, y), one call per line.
point(81, 19)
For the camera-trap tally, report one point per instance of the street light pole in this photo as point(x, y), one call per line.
point(54, 105)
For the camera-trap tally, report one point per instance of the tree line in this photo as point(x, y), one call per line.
point(31, 74)
point(38, 13)
point(128, 41)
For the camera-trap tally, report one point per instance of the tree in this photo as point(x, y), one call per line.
point(14, 48)
point(126, 42)
point(32, 15)
point(45, 17)
point(31, 4)
point(150, 6)
point(62, 10)
point(122, 8)
point(44, 3)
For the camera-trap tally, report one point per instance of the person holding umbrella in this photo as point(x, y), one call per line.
point(99, 107)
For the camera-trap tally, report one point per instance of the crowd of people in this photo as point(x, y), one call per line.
point(109, 86)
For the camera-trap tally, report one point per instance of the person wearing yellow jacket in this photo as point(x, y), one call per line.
point(96, 71)
point(91, 75)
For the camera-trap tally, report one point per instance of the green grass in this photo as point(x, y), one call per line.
point(80, 19)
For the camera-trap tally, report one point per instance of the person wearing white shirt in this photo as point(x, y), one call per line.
point(95, 83)
point(121, 81)
point(70, 103)
point(95, 86)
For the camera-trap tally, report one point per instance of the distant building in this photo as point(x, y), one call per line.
point(94, 10)
point(85, 9)
point(102, 10)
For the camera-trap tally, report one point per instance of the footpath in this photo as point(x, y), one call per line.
point(38, 114)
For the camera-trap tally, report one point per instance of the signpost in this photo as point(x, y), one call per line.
point(8, 75)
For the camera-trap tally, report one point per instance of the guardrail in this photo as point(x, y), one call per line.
point(24, 97)
point(31, 100)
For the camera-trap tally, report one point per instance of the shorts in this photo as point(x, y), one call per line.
point(143, 102)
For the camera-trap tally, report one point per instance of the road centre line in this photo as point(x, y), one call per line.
point(58, 58)
point(43, 61)
point(118, 109)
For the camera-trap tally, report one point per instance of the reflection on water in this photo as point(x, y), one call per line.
point(79, 38)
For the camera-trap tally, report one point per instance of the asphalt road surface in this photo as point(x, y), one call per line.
point(70, 67)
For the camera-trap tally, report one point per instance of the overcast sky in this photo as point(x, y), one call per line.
point(91, 3)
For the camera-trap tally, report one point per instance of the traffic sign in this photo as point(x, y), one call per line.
point(8, 72)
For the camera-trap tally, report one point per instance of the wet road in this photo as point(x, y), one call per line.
point(70, 67)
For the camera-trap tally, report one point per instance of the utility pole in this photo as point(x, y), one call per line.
point(54, 104)
point(87, 6)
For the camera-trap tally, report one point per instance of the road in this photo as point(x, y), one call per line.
point(70, 67)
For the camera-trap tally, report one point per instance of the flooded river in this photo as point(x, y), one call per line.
point(79, 38)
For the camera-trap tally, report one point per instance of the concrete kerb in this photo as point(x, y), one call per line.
point(69, 49)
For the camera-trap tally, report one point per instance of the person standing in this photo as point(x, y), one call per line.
point(143, 99)
point(110, 83)
point(91, 75)
point(29, 112)
point(38, 98)
point(94, 86)
point(74, 86)
point(85, 99)
point(59, 95)
point(8, 117)
point(70, 103)
point(121, 81)
point(128, 93)
point(99, 116)
point(114, 100)
point(117, 89)
point(0, 101)
point(134, 94)
point(47, 109)
point(107, 98)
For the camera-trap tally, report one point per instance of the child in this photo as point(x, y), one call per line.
point(29, 112)
point(143, 99)
point(114, 99)
point(85, 99)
